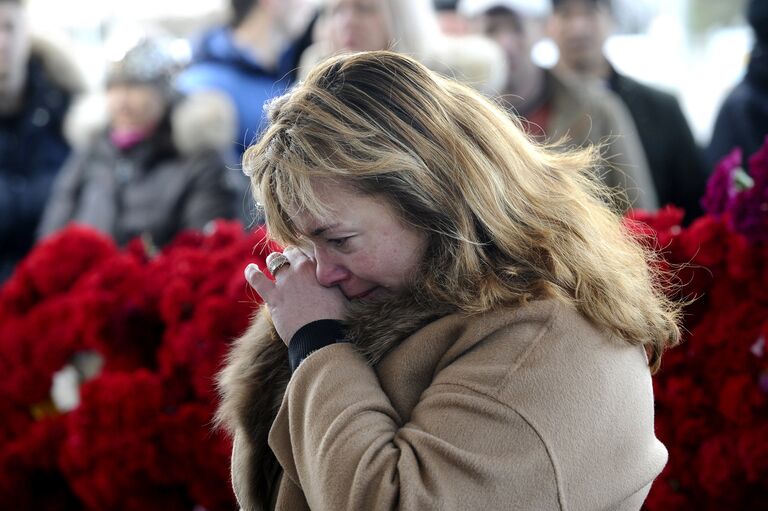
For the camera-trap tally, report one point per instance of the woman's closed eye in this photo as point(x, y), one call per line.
point(339, 242)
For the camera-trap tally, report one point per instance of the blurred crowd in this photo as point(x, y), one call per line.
point(159, 148)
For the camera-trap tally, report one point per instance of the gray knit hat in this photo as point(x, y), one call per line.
point(149, 62)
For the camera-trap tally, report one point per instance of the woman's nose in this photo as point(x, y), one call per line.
point(329, 272)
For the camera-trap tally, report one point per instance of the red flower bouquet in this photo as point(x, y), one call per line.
point(140, 437)
point(712, 390)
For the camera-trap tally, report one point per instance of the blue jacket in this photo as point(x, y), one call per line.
point(32, 150)
point(219, 64)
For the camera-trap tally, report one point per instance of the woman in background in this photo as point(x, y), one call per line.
point(458, 321)
point(157, 167)
point(409, 27)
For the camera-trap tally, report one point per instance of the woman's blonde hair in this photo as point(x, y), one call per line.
point(508, 220)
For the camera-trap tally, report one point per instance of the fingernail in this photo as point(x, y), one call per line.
point(250, 271)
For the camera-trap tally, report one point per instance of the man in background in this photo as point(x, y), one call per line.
point(252, 59)
point(580, 29)
point(37, 83)
point(558, 109)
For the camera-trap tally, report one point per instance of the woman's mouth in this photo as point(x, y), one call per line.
point(365, 294)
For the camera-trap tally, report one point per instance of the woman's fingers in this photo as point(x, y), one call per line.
point(295, 298)
point(258, 281)
point(294, 255)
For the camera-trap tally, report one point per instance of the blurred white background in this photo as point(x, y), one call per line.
point(697, 49)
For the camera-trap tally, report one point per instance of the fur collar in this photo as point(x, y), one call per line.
point(200, 121)
point(58, 66)
point(256, 375)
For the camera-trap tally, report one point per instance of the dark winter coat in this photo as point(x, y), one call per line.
point(32, 150)
point(743, 118)
point(155, 189)
point(676, 162)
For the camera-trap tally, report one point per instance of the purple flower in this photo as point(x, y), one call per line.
point(721, 187)
point(750, 208)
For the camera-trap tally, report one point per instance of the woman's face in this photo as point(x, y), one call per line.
point(363, 248)
point(134, 107)
point(359, 25)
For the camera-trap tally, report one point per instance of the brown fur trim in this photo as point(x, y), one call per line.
point(252, 385)
point(377, 326)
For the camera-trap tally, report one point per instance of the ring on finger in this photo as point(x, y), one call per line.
point(275, 261)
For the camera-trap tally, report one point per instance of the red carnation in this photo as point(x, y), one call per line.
point(741, 401)
point(664, 496)
point(662, 226)
point(205, 468)
point(753, 452)
point(720, 473)
point(703, 242)
point(110, 451)
point(50, 273)
point(28, 464)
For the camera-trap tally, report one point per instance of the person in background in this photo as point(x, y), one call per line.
point(457, 320)
point(580, 28)
point(556, 108)
point(157, 166)
point(451, 22)
point(410, 27)
point(252, 59)
point(743, 117)
point(37, 84)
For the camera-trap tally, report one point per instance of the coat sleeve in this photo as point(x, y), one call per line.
point(211, 195)
point(338, 438)
point(628, 166)
point(62, 204)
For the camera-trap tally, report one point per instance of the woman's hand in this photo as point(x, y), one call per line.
point(296, 298)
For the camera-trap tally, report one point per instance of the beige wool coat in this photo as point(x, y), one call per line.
point(529, 408)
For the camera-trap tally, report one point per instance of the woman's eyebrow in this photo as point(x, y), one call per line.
point(321, 230)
